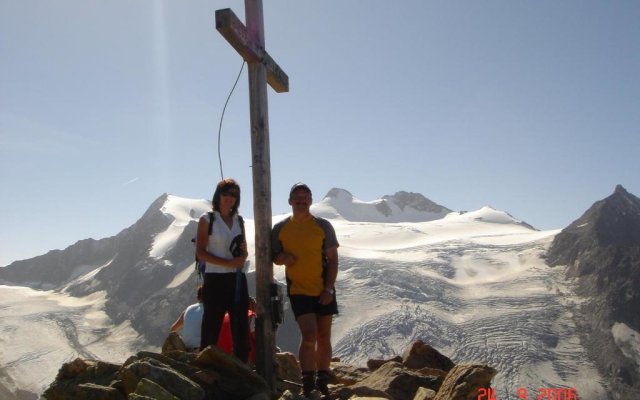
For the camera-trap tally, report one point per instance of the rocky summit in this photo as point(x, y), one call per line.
point(476, 284)
point(601, 250)
point(421, 373)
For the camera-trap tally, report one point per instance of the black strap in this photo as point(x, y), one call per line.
point(239, 270)
point(201, 265)
point(241, 222)
point(212, 216)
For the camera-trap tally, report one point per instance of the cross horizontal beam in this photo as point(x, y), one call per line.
point(232, 29)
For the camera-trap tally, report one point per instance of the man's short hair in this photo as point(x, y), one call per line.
point(297, 186)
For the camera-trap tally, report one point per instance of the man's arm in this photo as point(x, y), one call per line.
point(279, 256)
point(332, 267)
point(331, 253)
point(327, 294)
point(285, 259)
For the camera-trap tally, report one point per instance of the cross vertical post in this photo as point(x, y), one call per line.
point(249, 42)
point(261, 161)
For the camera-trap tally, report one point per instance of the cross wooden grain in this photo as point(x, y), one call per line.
point(249, 43)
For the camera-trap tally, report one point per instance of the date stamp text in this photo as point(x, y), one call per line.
point(537, 394)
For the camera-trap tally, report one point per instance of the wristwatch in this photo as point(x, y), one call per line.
point(330, 291)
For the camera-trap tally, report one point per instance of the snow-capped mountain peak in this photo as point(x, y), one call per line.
point(400, 207)
point(182, 211)
point(487, 214)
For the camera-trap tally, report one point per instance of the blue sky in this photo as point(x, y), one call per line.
point(532, 107)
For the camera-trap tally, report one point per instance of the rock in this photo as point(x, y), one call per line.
point(77, 372)
point(356, 397)
point(421, 355)
point(359, 392)
point(399, 382)
point(432, 372)
point(345, 374)
point(289, 376)
point(183, 357)
point(106, 369)
point(153, 390)
point(91, 391)
point(182, 362)
point(171, 380)
point(260, 396)
point(173, 342)
point(213, 374)
point(235, 377)
point(289, 395)
point(463, 382)
point(425, 394)
point(205, 377)
point(374, 364)
point(74, 368)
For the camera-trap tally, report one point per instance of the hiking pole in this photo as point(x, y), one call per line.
point(290, 382)
point(236, 320)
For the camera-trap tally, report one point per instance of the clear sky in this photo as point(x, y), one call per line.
point(531, 107)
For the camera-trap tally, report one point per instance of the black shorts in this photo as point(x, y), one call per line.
point(301, 304)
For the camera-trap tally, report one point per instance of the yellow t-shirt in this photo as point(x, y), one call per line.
point(306, 239)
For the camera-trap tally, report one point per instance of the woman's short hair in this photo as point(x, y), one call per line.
point(221, 187)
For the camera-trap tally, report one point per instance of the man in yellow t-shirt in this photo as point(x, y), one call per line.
point(307, 246)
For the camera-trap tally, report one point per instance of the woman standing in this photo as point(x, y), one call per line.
point(224, 290)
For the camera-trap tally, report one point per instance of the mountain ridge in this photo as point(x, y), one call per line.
point(444, 281)
point(602, 251)
point(399, 207)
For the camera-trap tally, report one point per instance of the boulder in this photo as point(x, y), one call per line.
point(91, 391)
point(356, 397)
point(374, 364)
point(183, 363)
point(359, 392)
point(346, 374)
point(74, 368)
point(235, 376)
point(288, 373)
point(432, 372)
point(421, 355)
point(425, 394)
point(289, 395)
point(78, 372)
point(398, 382)
point(171, 380)
point(260, 396)
point(173, 342)
point(153, 390)
point(213, 374)
point(463, 382)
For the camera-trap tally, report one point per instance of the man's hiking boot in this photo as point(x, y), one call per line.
point(322, 384)
point(308, 382)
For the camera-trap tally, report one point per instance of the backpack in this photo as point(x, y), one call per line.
point(201, 265)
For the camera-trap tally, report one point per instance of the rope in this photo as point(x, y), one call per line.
point(222, 117)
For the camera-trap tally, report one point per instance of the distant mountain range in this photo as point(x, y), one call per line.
point(401, 207)
point(475, 285)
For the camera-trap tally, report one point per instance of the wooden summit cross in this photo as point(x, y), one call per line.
point(249, 42)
